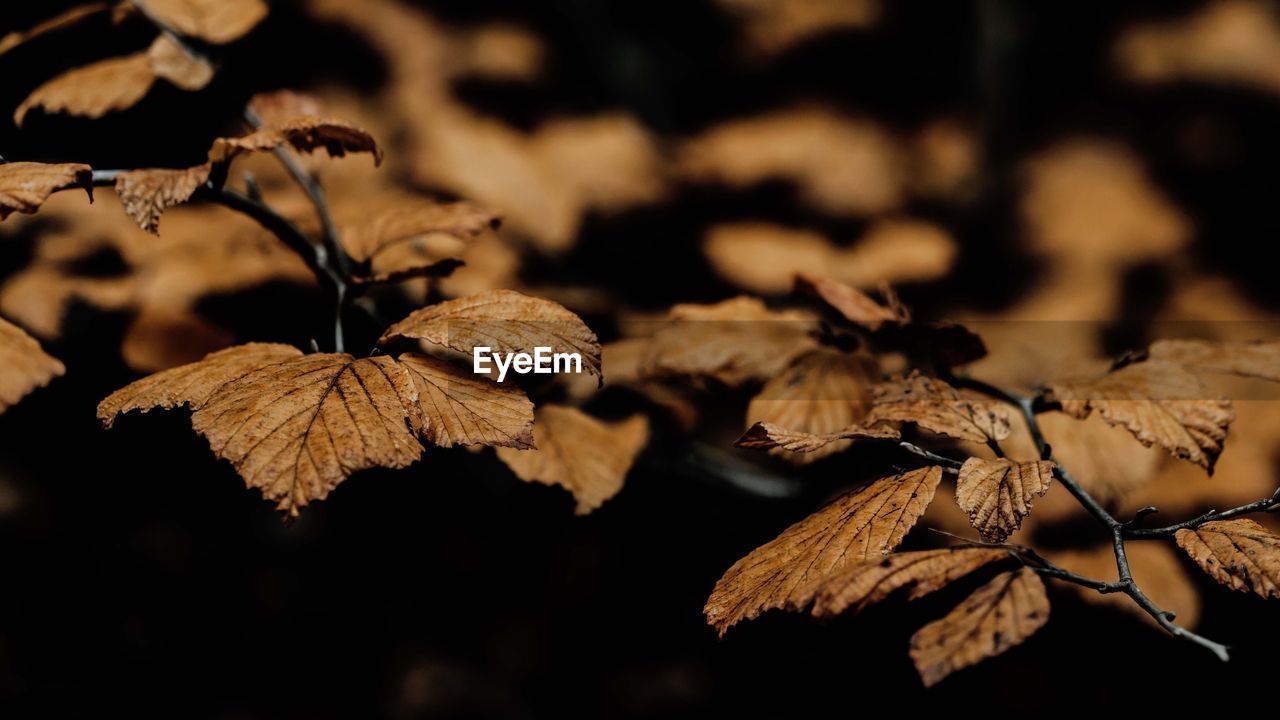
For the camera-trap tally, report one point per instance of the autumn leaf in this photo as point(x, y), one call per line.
point(1159, 402)
point(921, 572)
point(461, 408)
point(146, 194)
point(588, 457)
point(93, 90)
point(26, 366)
point(215, 21)
point(1256, 359)
point(1103, 459)
point(822, 393)
point(195, 383)
point(1238, 553)
point(58, 22)
point(861, 524)
point(734, 342)
point(505, 321)
point(854, 305)
point(936, 406)
point(24, 186)
point(997, 494)
point(176, 64)
point(396, 244)
point(281, 106)
point(997, 616)
point(767, 436)
point(305, 134)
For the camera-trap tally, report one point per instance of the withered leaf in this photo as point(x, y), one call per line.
point(1159, 402)
point(460, 408)
point(146, 194)
point(996, 617)
point(767, 436)
point(822, 393)
point(588, 457)
point(734, 342)
point(280, 106)
point(53, 24)
point(505, 321)
point(26, 366)
point(195, 383)
point(921, 572)
point(861, 524)
point(24, 186)
point(1257, 359)
point(395, 244)
point(997, 494)
point(854, 305)
point(215, 21)
point(1238, 553)
point(936, 406)
point(93, 90)
point(305, 134)
point(174, 63)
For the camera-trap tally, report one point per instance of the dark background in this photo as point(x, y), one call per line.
point(140, 576)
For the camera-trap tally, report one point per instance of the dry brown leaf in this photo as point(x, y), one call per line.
point(936, 406)
point(864, 584)
point(281, 106)
point(53, 24)
point(172, 62)
point(588, 457)
point(1256, 359)
point(841, 165)
point(996, 617)
point(504, 321)
point(215, 21)
point(146, 194)
point(859, 525)
point(767, 436)
point(854, 305)
point(1160, 403)
point(193, 384)
point(26, 366)
point(997, 494)
point(398, 244)
point(1238, 553)
point(1156, 568)
point(305, 134)
point(734, 341)
point(24, 186)
point(1103, 459)
point(93, 90)
point(822, 393)
point(458, 407)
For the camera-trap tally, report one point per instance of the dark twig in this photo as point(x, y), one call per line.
point(948, 464)
point(1264, 505)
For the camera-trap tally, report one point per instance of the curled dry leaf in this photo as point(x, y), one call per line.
point(768, 436)
point(397, 244)
point(997, 616)
point(1256, 359)
point(504, 321)
point(861, 524)
point(588, 457)
point(733, 342)
point(997, 494)
point(1160, 403)
point(146, 194)
point(822, 394)
point(174, 63)
point(1238, 553)
point(93, 90)
point(26, 366)
point(936, 406)
point(305, 134)
point(215, 21)
point(864, 584)
point(458, 407)
point(24, 186)
point(53, 24)
point(854, 305)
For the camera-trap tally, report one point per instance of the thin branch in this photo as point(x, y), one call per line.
point(1264, 505)
point(949, 464)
